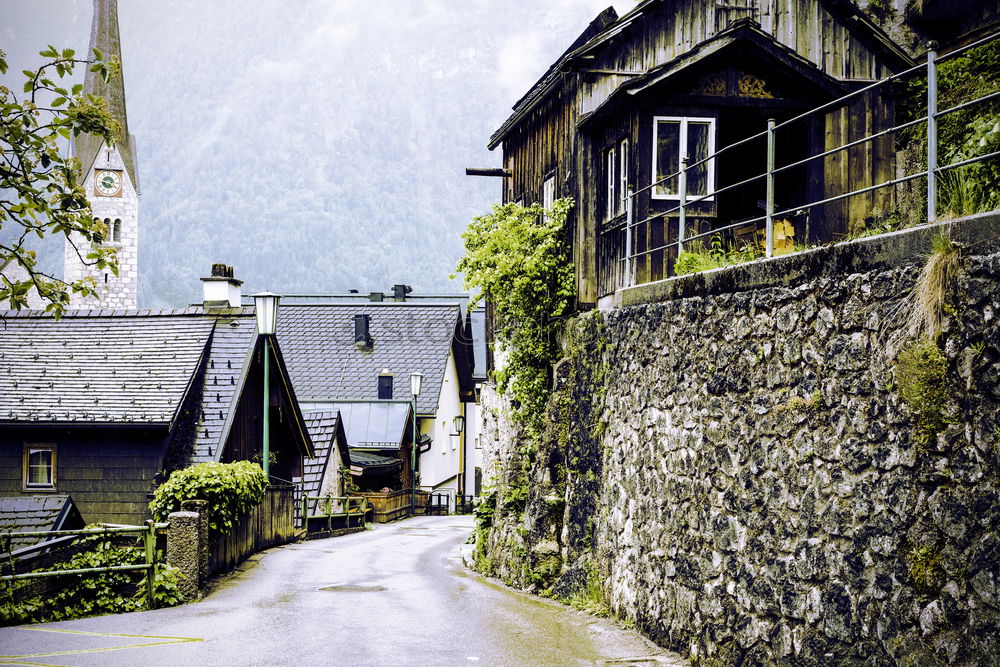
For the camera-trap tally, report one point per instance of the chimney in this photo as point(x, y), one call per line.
point(362, 335)
point(376, 297)
point(399, 292)
point(221, 290)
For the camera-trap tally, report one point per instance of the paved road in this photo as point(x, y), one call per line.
point(394, 595)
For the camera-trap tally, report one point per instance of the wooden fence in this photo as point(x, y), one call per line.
point(394, 504)
point(270, 523)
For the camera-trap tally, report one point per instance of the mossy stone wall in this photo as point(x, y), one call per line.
point(734, 462)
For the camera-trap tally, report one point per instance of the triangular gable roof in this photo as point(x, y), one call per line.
point(844, 11)
point(226, 367)
point(99, 366)
point(741, 32)
point(325, 364)
point(326, 430)
point(214, 433)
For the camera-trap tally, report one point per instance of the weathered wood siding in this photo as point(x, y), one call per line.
point(548, 141)
point(269, 524)
point(674, 28)
point(245, 442)
point(108, 472)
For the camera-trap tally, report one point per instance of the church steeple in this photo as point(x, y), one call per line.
point(111, 181)
point(105, 38)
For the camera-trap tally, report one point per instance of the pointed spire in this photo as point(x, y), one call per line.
point(104, 37)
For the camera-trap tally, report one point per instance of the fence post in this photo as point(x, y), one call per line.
point(305, 512)
point(329, 518)
point(932, 95)
point(628, 236)
point(149, 542)
point(769, 191)
point(682, 186)
point(364, 511)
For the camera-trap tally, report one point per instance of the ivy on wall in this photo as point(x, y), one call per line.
point(231, 489)
point(517, 258)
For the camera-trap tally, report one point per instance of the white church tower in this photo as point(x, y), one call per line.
point(111, 181)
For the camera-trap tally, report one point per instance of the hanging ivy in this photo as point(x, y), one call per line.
point(517, 258)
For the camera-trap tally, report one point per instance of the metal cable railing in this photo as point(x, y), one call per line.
point(930, 118)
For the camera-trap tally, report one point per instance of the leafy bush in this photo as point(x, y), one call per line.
point(231, 490)
point(963, 134)
point(696, 257)
point(97, 593)
point(518, 258)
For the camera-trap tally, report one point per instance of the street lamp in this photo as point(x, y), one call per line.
point(266, 310)
point(416, 380)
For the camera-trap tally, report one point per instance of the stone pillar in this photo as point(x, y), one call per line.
point(184, 550)
point(201, 508)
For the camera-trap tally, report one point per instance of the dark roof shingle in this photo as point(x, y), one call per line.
point(95, 367)
point(326, 365)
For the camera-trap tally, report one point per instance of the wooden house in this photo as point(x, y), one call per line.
point(102, 405)
point(635, 94)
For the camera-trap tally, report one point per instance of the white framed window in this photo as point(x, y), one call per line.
point(610, 181)
point(622, 175)
point(39, 466)
point(675, 137)
point(548, 193)
point(615, 179)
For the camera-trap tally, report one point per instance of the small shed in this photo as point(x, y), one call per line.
point(36, 513)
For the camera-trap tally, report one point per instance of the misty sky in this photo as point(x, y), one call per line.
point(317, 146)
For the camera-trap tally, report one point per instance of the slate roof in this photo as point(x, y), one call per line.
point(99, 366)
point(325, 365)
point(229, 354)
point(30, 513)
point(323, 431)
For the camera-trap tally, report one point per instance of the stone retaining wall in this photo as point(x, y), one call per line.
point(731, 460)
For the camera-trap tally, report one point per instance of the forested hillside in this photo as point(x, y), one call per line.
point(316, 149)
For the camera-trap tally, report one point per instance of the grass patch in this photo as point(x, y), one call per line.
point(921, 379)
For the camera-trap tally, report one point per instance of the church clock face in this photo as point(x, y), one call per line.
point(108, 183)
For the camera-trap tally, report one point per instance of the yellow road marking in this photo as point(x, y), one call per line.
point(13, 659)
point(31, 664)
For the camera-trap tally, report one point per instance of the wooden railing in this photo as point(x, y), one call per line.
point(269, 524)
point(394, 505)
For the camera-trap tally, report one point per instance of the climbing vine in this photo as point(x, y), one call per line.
point(518, 259)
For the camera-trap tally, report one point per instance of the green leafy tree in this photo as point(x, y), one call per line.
point(518, 259)
point(40, 188)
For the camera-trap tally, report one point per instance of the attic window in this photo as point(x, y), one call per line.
point(39, 466)
point(675, 137)
point(384, 386)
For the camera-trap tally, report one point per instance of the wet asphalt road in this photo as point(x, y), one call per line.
point(396, 595)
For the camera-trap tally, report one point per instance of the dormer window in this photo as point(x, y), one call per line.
point(385, 384)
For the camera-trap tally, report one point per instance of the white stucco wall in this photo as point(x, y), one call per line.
point(442, 461)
